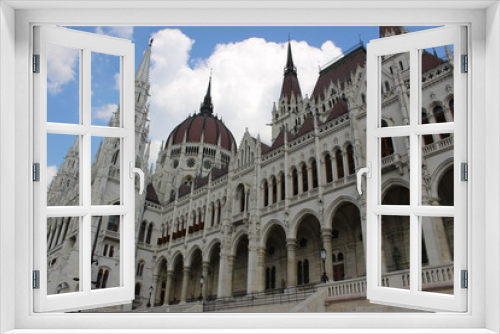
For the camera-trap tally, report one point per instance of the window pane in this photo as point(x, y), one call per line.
point(437, 170)
point(437, 254)
point(437, 84)
point(63, 255)
point(395, 256)
point(63, 170)
point(106, 86)
point(395, 165)
point(106, 162)
point(63, 84)
point(395, 89)
point(105, 252)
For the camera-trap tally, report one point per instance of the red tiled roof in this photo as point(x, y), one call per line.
point(306, 127)
point(211, 127)
point(429, 61)
point(151, 194)
point(184, 190)
point(290, 88)
point(338, 109)
point(218, 172)
point(339, 71)
point(383, 30)
point(200, 181)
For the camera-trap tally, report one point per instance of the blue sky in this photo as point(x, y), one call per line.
point(246, 62)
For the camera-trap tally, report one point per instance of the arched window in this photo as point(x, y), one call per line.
point(273, 277)
point(340, 164)
point(266, 193)
point(428, 139)
point(386, 143)
point(172, 196)
point(440, 118)
point(350, 159)
point(282, 185)
point(387, 87)
point(219, 210)
point(212, 221)
point(299, 273)
point(102, 278)
point(295, 181)
point(105, 251)
point(150, 232)
point(314, 172)
point(142, 232)
point(328, 168)
point(439, 114)
point(241, 197)
point(306, 271)
point(274, 189)
point(111, 251)
point(401, 66)
point(140, 268)
point(114, 223)
point(305, 185)
point(137, 290)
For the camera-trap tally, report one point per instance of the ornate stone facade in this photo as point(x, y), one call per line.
point(253, 219)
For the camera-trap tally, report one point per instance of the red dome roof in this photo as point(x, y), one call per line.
point(203, 126)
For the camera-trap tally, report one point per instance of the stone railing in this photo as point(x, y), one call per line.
point(438, 146)
point(436, 277)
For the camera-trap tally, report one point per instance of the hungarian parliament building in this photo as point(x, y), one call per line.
point(248, 226)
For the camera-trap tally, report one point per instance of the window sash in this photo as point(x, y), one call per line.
point(86, 297)
point(414, 298)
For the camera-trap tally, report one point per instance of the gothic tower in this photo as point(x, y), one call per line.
point(290, 103)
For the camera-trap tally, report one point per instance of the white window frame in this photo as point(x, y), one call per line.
point(413, 43)
point(484, 23)
point(85, 43)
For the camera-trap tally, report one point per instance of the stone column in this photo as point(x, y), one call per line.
point(168, 288)
point(204, 290)
point(261, 252)
point(216, 215)
point(222, 284)
point(335, 174)
point(278, 185)
point(157, 290)
point(185, 282)
point(229, 282)
point(309, 177)
point(438, 251)
point(252, 269)
point(51, 236)
point(300, 183)
point(291, 272)
point(326, 237)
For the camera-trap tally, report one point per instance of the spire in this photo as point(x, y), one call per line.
point(142, 74)
point(290, 68)
point(290, 86)
point(207, 107)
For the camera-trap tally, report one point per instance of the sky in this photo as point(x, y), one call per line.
point(246, 64)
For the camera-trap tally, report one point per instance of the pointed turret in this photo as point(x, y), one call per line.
point(142, 74)
point(290, 85)
point(207, 107)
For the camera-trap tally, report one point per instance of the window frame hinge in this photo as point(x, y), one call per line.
point(36, 63)
point(464, 68)
point(464, 279)
point(464, 172)
point(36, 172)
point(36, 279)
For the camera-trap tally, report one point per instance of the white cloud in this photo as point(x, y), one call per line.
point(121, 32)
point(247, 78)
point(62, 67)
point(154, 149)
point(51, 173)
point(104, 112)
point(117, 81)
